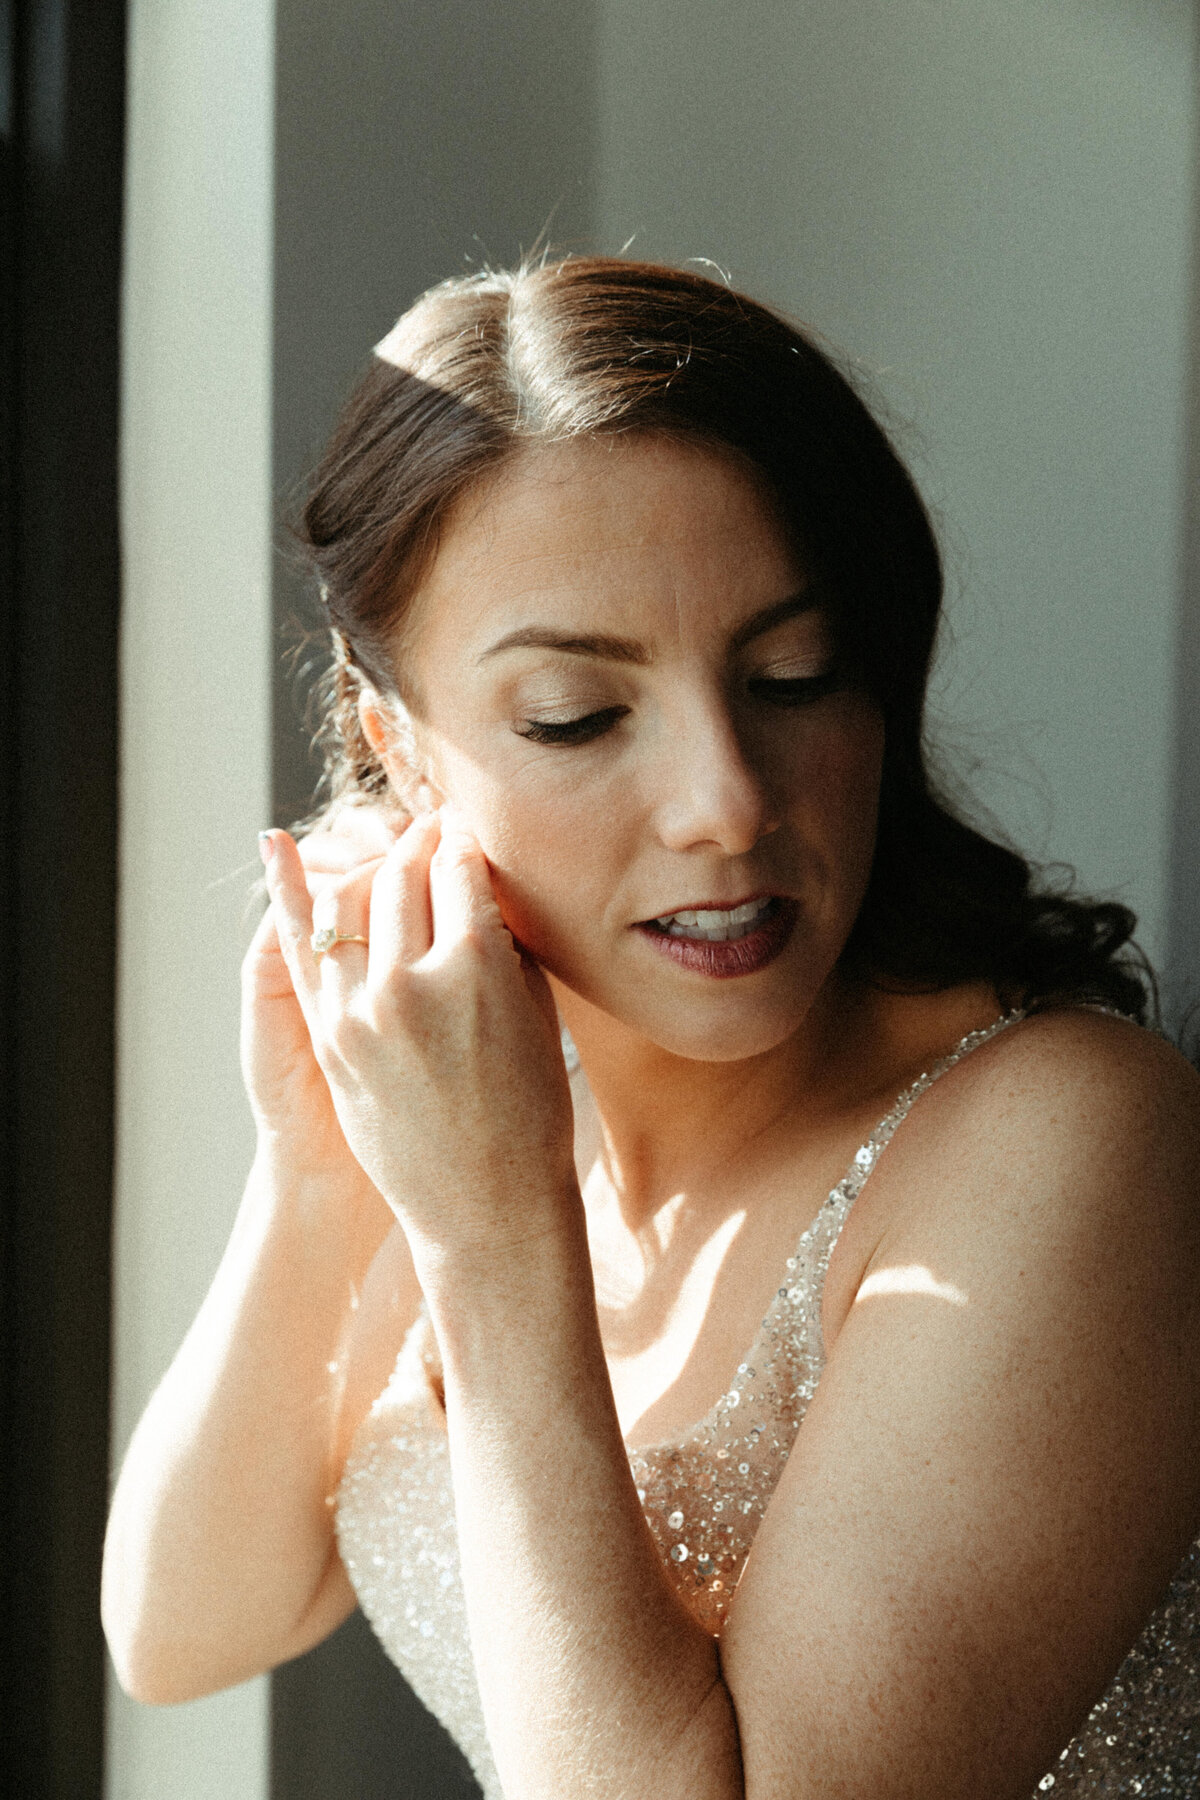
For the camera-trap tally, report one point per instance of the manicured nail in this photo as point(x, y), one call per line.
point(266, 846)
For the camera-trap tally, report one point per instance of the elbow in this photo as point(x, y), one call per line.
point(157, 1674)
point(144, 1675)
point(153, 1669)
point(153, 1673)
point(139, 1665)
point(147, 1684)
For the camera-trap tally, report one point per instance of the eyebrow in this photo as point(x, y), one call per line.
point(629, 650)
point(544, 637)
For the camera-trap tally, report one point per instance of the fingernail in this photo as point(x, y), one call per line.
point(266, 846)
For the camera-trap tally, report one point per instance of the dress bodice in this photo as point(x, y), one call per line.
point(704, 1495)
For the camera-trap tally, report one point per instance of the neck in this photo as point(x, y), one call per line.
point(665, 1126)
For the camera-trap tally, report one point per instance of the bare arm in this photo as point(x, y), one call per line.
point(1000, 1470)
point(220, 1559)
point(595, 1679)
point(985, 1501)
point(986, 1498)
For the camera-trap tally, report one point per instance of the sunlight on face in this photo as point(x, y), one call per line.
point(630, 697)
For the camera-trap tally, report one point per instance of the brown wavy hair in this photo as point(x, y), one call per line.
point(588, 347)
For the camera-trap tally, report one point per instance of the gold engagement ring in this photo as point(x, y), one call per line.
point(328, 939)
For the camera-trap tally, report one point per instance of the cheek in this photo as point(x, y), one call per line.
point(837, 791)
point(532, 829)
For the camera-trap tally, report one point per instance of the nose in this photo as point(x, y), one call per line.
point(710, 791)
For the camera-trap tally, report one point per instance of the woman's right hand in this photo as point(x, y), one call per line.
point(288, 1093)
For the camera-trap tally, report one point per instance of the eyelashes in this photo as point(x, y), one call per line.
point(572, 731)
point(794, 690)
point(777, 691)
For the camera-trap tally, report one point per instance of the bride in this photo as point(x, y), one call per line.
point(719, 1276)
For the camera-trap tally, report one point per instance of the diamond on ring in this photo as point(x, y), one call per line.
point(326, 938)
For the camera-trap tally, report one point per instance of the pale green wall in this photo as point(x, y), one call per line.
point(988, 202)
point(195, 740)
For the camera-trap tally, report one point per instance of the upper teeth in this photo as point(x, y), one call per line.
point(708, 922)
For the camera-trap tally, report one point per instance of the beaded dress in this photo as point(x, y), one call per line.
point(704, 1496)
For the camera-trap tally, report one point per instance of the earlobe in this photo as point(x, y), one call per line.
point(389, 732)
point(370, 718)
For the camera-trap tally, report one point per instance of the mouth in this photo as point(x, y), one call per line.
point(724, 941)
point(715, 924)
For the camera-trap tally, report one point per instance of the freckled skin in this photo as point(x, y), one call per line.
point(702, 790)
point(886, 1640)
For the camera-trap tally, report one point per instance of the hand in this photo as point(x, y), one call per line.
point(438, 1039)
point(288, 1094)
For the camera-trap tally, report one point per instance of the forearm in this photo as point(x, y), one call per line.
point(595, 1680)
point(220, 1530)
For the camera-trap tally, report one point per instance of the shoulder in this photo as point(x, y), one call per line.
point(1063, 1153)
point(1058, 1165)
point(1080, 1048)
point(1065, 1099)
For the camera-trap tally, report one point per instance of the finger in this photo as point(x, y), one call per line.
point(343, 900)
point(330, 853)
point(372, 828)
point(264, 945)
point(460, 888)
point(325, 885)
point(343, 906)
point(401, 923)
point(292, 908)
point(376, 823)
point(265, 975)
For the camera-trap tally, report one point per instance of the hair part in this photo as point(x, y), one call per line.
point(484, 366)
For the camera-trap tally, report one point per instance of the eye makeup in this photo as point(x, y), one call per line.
point(797, 676)
point(571, 731)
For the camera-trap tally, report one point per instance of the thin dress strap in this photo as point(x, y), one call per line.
point(704, 1492)
point(843, 1196)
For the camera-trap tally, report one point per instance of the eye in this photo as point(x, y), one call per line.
point(794, 690)
point(571, 731)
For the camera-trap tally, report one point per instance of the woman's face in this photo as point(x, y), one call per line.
point(626, 692)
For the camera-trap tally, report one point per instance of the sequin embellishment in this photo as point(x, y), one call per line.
point(704, 1496)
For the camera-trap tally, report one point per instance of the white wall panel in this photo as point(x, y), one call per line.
point(195, 786)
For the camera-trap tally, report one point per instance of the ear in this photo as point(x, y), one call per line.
point(388, 728)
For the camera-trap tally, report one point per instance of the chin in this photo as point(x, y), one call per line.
point(717, 1027)
point(727, 1039)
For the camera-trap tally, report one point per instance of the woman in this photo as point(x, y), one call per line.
point(633, 608)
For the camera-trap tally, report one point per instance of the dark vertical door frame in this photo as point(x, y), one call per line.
point(64, 82)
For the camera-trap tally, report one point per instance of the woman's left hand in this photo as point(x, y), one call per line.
point(438, 1038)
